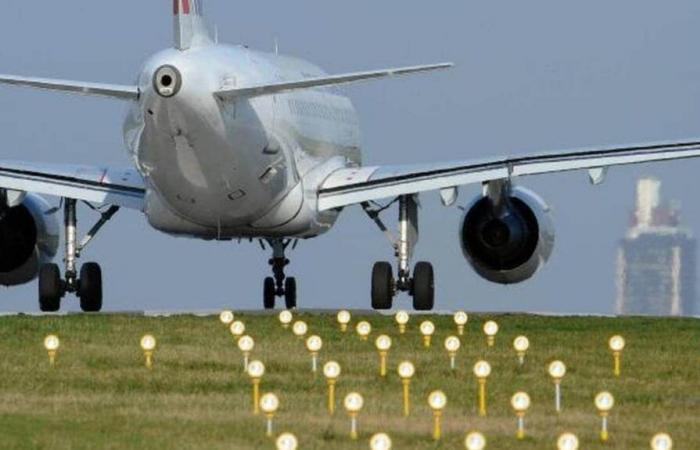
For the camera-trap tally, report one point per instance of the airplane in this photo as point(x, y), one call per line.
point(228, 143)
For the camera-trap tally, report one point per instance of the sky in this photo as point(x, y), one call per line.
point(529, 77)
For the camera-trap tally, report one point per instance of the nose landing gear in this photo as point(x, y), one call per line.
point(280, 285)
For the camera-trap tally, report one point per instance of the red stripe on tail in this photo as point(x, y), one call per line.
point(185, 6)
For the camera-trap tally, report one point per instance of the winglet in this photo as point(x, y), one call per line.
point(190, 30)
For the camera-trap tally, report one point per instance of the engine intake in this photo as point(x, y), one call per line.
point(507, 240)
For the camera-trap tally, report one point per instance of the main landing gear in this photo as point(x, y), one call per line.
point(280, 285)
point(421, 286)
point(87, 284)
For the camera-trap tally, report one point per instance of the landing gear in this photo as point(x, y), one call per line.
point(280, 285)
point(87, 286)
point(384, 286)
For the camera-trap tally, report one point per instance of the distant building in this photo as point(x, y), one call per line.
point(656, 260)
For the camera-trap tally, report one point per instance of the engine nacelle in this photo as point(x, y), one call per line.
point(28, 238)
point(507, 237)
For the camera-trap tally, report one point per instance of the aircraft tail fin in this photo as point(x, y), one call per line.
point(190, 29)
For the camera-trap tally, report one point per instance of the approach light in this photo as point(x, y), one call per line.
point(406, 371)
point(237, 329)
point(331, 370)
point(520, 403)
point(148, 345)
point(344, 318)
point(661, 441)
point(287, 441)
point(490, 329)
point(567, 441)
point(256, 370)
point(363, 330)
point(617, 344)
point(383, 344)
point(557, 370)
point(604, 401)
point(482, 370)
point(427, 329)
point(380, 441)
point(437, 400)
point(353, 405)
point(300, 329)
point(51, 344)
point(460, 318)
point(285, 318)
point(521, 344)
point(452, 345)
point(226, 317)
point(402, 319)
point(314, 345)
point(246, 344)
point(269, 403)
point(475, 441)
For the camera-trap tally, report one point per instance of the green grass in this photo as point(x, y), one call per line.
point(99, 395)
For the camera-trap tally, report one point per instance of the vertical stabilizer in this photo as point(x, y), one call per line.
point(190, 30)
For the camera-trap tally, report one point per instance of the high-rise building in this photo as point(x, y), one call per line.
point(656, 260)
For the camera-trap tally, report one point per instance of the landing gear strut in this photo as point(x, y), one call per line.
point(280, 285)
point(87, 284)
point(384, 286)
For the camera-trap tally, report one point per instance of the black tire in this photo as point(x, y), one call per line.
point(90, 287)
point(50, 288)
point(382, 286)
point(290, 293)
point(423, 287)
point(269, 293)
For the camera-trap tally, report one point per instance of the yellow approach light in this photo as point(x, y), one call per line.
point(490, 330)
point(226, 317)
point(148, 345)
point(557, 370)
point(427, 329)
point(344, 318)
point(383, 344)
point(452, 345)
point(269, 403)
point(364, 329)
point(285, 317)
point(521, 344)
point(460, 318)
point(246, 344)
point(482, 370)
point(51, 344)
point(661, 441)
point(604, 402)
point(406, 371)
point(331, 370)
point(520, 403)
point(567, 441)
point(237, 329)
point(353, 405)
point(300, 329)
point(380, 441)
point(314, 345)
point(437, 400)
point(475, 441)
point(287, 441)
point(617, 344)
point(256, 370)
point(402, 319)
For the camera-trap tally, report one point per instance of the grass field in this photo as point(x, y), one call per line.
point(99, 395)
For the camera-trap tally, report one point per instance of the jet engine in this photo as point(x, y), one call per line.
point(507, 234)
point(29, 237)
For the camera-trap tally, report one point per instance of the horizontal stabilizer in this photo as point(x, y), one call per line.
point(74, 87)
point(333, 80)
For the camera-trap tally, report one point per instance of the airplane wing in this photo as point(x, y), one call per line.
point(356, 185)
point(116, 91)
point(334, 80)
point(99, 185)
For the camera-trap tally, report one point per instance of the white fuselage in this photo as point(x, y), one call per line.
point(221, 169)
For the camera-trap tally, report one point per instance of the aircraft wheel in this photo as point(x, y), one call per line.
point(50, 288)
point(290, 293)
point(269, 293)
point(423, 287)
point(382, 286)
point(90, 287)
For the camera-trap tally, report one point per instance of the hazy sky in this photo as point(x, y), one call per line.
point(530, 76)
